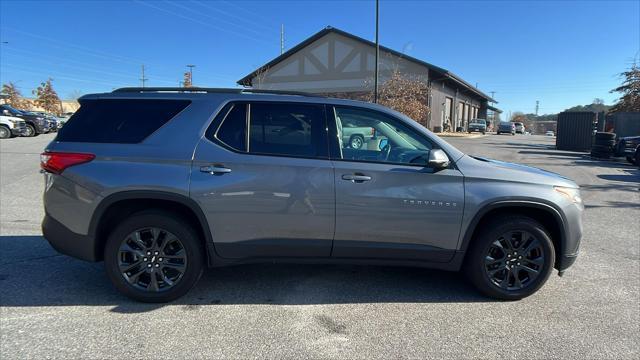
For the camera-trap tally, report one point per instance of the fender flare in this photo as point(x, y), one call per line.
point(154, 195)
point(537, 204)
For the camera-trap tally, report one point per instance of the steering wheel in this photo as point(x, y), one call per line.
point(386, 150)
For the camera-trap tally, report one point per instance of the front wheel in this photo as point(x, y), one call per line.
point(356, 142)
point(154, 256)
point(5, 133)
point(511, 258)
point(31, 131)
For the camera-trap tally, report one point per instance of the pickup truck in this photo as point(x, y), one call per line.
point(11, 126)
point(355, 136)
point(477, 125)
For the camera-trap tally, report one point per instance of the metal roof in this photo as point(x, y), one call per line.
point(444, 73)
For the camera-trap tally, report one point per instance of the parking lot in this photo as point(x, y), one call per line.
point(56, 306)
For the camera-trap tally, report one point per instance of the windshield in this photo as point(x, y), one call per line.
point(478, 121)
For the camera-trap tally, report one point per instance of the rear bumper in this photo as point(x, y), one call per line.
point(67, 242)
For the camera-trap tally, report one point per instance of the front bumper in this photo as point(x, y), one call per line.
point(572, 237)
point(19, 130)
point(67, 242)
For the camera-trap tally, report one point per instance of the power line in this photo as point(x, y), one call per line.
point(199, 22)
point(259, 33)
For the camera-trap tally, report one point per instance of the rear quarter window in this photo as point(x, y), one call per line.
point(124, 121)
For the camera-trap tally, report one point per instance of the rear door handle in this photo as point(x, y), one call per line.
point(356, 178)
point(215, 169)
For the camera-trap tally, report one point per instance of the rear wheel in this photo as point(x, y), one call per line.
point(511, 258)
point(153, 257)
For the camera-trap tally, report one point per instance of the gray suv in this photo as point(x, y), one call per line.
point(163, 182)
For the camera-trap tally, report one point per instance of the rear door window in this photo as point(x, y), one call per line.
point(119, 120)
point(290, 129)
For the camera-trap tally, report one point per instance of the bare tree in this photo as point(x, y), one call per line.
point(630, 90)
point(408, 94)
point(14, 97)
point(47, 98)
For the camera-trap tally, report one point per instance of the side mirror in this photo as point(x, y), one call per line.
point(6, 112)
point(438, 159)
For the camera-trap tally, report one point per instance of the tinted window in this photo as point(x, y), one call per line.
point(233, 131)
point(119, 121)
point(287, 129)
point(390, 141)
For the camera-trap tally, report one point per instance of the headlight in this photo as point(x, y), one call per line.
point(13, 121)
point(572, 194)
point(39, 118)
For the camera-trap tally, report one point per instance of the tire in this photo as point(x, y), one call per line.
point(5, 132)
point(356, 142)
point(605, 136)
point(631, 160)
point(540, 258)
point(31, 131)
point(180, 269)
point(602, 142)
point(602, 149)
point(498, 133)
point(637, 156)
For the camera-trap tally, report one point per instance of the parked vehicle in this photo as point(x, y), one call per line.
point(519, 128)
point(11, 126)
point(506, 127)
point(549, 133)
point(354, 135)
point(477, 125)
point(627, 146)
point(142, 179)
point(35, 124)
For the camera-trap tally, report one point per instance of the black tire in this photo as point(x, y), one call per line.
point(5, 132)
point(31, 131)
point(497, 132)
point(483, 246)
point(610, 143)
point(189, 242)
point(605, 136)
point(631, 160)
point(602, 149)
point(356, 142)
point(637, 156)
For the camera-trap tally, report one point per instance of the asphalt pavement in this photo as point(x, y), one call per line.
point(54, 306)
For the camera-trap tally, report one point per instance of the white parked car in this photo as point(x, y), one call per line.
point(11, 126)
point(550, 133)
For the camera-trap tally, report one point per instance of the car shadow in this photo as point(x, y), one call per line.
point(33, 274)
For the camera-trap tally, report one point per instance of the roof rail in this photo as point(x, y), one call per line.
point(211, 90)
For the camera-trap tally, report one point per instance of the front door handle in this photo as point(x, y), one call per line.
point(356, 178)
point(215, 169)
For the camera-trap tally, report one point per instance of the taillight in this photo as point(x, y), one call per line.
point(57, 162)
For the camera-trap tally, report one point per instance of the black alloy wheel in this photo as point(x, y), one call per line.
point(510, 258)
point(514, 260)
point(154, 256)
point(152, 259)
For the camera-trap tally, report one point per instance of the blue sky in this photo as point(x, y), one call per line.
point(562, 53)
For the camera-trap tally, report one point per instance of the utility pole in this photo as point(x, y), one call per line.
point(492, 95)
point(281, 39)
point(375, 81)
point(537, 106)
point(142, 78)
point(190, 66)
